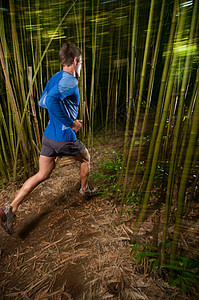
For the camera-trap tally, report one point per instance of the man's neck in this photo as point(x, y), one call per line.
point(69, 69)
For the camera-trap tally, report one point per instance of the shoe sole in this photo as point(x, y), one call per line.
point(88, 195)
point(3, 224)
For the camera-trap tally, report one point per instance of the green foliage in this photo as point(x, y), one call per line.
point(113, 164)
point(108, 173)
point(142, 141)
point(132, 202)
point(184, 274)
point(134, 198)
point(143, 251)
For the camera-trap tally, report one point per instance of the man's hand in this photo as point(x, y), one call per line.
point(77, 124)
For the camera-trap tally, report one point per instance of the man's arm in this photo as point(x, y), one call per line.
point(54, 106)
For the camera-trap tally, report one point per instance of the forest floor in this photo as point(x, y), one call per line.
point(68, 247)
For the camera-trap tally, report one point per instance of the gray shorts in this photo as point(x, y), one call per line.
point(54, 148)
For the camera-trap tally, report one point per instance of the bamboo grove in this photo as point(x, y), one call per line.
point(140, 70)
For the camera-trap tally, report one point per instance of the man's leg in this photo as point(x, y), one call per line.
point(84, 158)
point(46, 166)
point(7, 214)
point(84, 169)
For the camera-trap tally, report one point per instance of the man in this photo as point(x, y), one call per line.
point(61, 98)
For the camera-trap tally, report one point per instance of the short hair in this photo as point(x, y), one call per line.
point(68, 52)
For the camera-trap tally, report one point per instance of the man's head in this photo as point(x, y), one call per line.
point(67, 54)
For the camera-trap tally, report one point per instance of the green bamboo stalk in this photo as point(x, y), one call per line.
point(10, 125)
point(128, 61)
point(97, 89)
point(131, 87)
point(17, 119)
point(173, 107)
point(3, 170)
point(184, 179)
point(187, 121)
point(196, 157)
point(161, 129)
point(36, 126)
point(109, 79)
point(160, 99)
point(19, 69)
point(40, 87)
point(85, 106)
point(150, 89)
point(78, 25)
point(3, 147)
point(23, 38)
point(171, 117)
point(172, 164)
point(5, 50)
point(10, 110)
point(92, 99)
point(117, 70)
point(142, 80)
point(5, 128)
point(194, 186)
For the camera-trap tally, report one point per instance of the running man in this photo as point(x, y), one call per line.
point(61, 98)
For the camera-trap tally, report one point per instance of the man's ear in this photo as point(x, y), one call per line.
point(75, 60)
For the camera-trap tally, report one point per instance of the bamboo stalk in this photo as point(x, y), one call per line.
point(109, 80)
point(131, 87)
point(172, 164)
point(160, 99)
point(12, 99)
point(92, 94)
point(117, 71)
point(86, 112)
point(2, 119)
point(33, 107)
point(184, 178)
point(3, 170)
point(142, 80)
point(188, 121)
point(4, 157)
point(6, 53)
point(160, 132)
point(150, 89)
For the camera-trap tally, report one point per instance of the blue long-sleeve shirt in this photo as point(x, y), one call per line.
point(61, 98)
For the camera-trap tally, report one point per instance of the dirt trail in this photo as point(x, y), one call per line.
point(67, 247)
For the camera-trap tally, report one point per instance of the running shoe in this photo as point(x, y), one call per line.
point(7, 219)
point(90, 191)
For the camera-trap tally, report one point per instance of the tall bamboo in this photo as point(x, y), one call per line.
point(142, 80)
point(161, 129)
point(131, 88)
point(36, 126)
point(150, 89)
point(160, 99)
point(5, 50)
point(117, 70)
point(85, 106)
point(188, 121)
point(6, 134)
point(172, 164)
point(109, 78)
point(17, 119)
point(184, 178)
point(3, 147)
